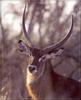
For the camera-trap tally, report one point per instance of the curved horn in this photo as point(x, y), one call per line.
point(60, 43)
point(24, 27)
point(32, 48)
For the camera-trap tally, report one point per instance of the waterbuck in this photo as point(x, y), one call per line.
point(41, 80)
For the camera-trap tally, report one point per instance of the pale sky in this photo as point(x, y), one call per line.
point(13, 22)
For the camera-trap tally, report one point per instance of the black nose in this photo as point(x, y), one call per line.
point(32, 68)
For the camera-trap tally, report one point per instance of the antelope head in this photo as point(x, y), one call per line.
point(39, 81)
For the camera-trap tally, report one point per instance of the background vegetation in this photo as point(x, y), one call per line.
point(47, 22)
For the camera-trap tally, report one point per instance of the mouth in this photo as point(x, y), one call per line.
point(31, 77)
point(32, 69)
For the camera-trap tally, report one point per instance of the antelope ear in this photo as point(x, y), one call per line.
point(23, 47)
point(54, 55)
point(51, 55)
point(59, 52)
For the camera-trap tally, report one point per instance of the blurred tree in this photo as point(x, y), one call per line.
point(47, 21)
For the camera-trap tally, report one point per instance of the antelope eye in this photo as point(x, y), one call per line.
point(42, 58)
point(32, 69)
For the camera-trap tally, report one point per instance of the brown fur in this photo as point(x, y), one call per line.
point(51, 86)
